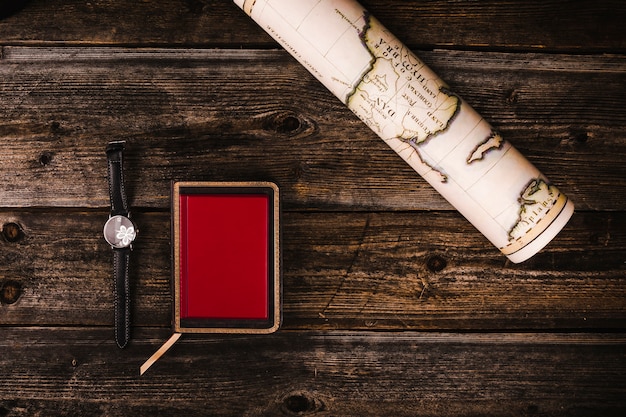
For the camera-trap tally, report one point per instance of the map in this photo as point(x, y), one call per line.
point(405, 103)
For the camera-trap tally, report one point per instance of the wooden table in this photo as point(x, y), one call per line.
point(393, 303)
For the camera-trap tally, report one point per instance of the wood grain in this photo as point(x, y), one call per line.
point(68, 371)
point(370, 271)
point(214, 114)
point(554, 25)
point(393, 304)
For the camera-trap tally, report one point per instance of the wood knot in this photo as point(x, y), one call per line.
point(289, 124)
point(285, 123)
point(299, 170)
point(582, 137)
point(55, 126)
point(301, 403)
point(12, 232)
point(577, 138)
point(10, 292)
point(512, 97)
point(45, 158)
point(436, 263)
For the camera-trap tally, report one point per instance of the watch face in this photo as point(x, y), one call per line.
point(119, 232)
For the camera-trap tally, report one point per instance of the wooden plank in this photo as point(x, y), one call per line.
point(535, 24)
point(216, 114)
point(393, 303)
point(70, 371)
point(370, 271)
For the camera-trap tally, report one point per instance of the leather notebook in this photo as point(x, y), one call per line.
point(226, 257)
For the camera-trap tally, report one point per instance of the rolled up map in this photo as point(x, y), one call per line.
point(437, 133)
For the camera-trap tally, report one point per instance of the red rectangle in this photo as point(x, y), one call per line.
point(224, 256)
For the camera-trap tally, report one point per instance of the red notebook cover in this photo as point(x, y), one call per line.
point(224, 267)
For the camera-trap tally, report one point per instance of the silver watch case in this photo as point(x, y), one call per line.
point(119, 232)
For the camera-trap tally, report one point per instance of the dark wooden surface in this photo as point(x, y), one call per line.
point(393, 303)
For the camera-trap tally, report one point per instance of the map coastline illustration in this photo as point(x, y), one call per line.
point(418, 116)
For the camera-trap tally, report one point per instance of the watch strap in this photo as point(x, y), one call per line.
point(121, 259)
point(117, 192)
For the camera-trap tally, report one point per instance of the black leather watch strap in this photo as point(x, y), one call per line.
point(121, 251)
point(117, 192)
point(121, 259)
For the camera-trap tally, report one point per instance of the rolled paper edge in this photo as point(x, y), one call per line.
point(545, 237)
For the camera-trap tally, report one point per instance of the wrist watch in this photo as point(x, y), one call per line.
point(119, 232)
